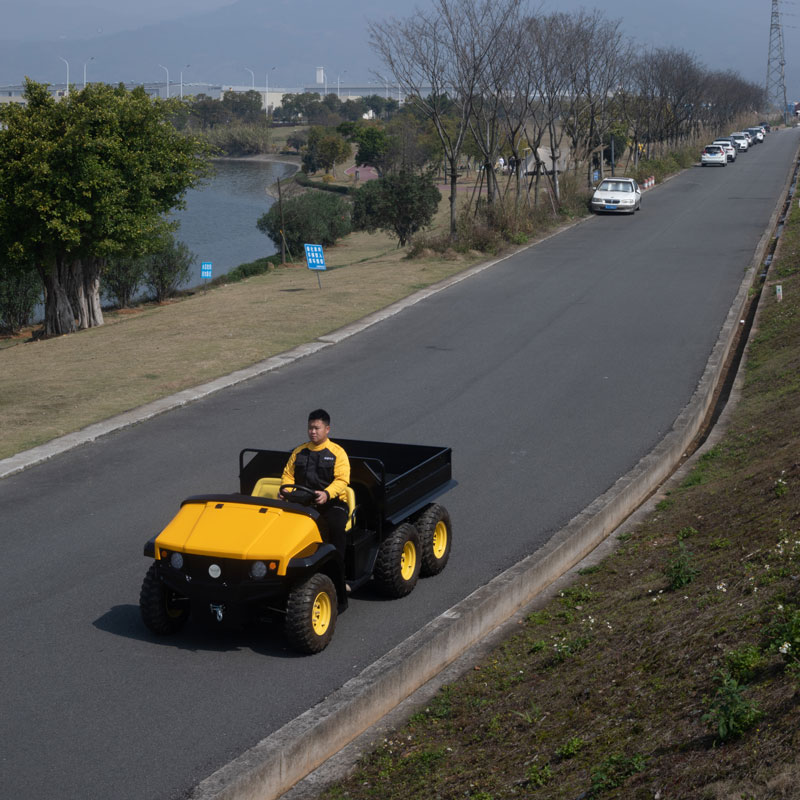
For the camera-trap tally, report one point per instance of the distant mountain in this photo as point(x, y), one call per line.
point(294, 36)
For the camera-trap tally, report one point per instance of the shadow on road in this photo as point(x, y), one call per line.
point(199, 636)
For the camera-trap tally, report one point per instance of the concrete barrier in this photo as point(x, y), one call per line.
point(274, 765)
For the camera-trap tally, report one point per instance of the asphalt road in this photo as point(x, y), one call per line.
point(550, 375)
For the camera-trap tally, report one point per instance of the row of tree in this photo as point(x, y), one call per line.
point(311, 108)
point(84, 181)
point(541, 87)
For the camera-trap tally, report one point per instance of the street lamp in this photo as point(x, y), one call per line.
point(252, 76)
point(167, 71)
point(84, 71)
point(186, 67)
point(338, 92)
point(67, 63)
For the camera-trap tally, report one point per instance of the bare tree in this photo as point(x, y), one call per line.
point(439, 58)
point(501, 35)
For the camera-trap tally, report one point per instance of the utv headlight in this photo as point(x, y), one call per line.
point(258, 569)
point(176, 560)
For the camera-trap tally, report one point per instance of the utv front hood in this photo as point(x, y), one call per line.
point(241, 527)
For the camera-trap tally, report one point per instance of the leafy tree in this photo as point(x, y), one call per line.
point(400, 204)
point(311, 218)
point(297, 140)
point(324, 149)
point(168, 268)
point(353, 109)
point(295, 106)
point(373, 147)
point(243, 106)
point(86, 179)
point(332, 103)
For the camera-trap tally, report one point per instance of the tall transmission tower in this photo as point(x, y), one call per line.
point(776, 80)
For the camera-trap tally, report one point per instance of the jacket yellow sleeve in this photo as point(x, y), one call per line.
point(288, 470)
point(341, 473)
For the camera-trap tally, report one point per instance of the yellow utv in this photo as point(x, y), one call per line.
point(236, 556)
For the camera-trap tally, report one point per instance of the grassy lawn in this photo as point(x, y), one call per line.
point(671, 669)
point(55, 386)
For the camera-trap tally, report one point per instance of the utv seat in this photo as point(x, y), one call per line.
point(269, 487)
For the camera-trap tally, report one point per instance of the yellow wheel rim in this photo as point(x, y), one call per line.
point(439, 539)
point(173, 611)
point(408, 561)
point(321, 613)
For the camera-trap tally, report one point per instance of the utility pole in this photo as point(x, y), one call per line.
point(776, 62)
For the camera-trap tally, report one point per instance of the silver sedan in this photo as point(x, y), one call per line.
point(619, 195)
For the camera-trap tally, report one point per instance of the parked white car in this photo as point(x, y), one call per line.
point(728, 146)
point(620, 195)
point(741, 141)
point(713, 154)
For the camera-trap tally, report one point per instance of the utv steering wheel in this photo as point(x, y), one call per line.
point(295, 493)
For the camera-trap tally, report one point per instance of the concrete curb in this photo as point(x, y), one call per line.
point(273, 766)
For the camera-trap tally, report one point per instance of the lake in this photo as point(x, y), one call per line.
point(219, 221)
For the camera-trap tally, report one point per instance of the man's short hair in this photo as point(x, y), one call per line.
point(320, 414)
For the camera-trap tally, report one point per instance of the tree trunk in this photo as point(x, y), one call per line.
point(453, 180)
point(75, 290)
point(91, 288)
point(59, 317)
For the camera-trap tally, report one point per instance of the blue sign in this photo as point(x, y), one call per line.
point(595, 176)
point(205, 269)
point(314, 256)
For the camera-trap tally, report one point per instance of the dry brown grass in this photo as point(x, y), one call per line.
point(52, 387)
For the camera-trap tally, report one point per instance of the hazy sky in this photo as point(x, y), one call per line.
point(120, 40)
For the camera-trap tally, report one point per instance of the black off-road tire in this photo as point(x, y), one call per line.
point(311, 611)
point(399, 561)
point(436, 539)
point(163, 611)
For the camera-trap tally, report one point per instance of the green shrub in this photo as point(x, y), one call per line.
point(680, 571)
point(571, 748)
point(783, 636)
point(242, 139)
point(614, 771)
point(729, 713)
point(168, 268)
point(399, 204)
point(19, 293)
point(744, 662)
point(310, 218)
point(538, 775)
point(123, 277)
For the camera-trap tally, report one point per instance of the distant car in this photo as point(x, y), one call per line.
point(741, 141)
point(728, 146)
point(620, 195)
point(757, 133)
point(713, 154)
point(765, 126)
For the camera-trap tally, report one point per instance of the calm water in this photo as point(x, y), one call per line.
point(219, 221)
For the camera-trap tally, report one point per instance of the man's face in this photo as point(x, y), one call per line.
point(317, 431)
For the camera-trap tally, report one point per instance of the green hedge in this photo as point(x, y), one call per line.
point(305, 181)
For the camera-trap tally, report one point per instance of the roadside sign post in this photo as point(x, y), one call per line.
point(315, 259)
point(205, 271)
